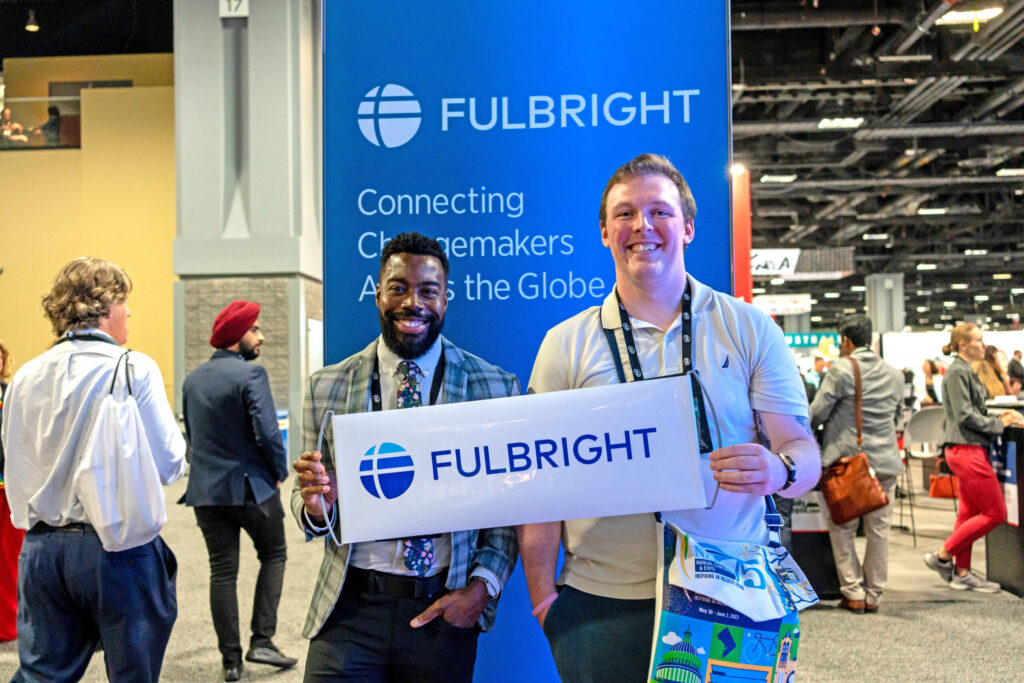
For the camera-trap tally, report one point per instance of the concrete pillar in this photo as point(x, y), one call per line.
point(884, 300)
point(248, 140)
point(798, 322)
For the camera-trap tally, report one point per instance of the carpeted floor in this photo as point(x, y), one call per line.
point(924, 631)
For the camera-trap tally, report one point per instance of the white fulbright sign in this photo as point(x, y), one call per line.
point(613, 450)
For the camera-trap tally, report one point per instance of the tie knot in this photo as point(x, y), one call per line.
point(408, 369)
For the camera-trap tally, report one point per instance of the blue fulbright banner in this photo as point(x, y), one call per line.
point(494, 128)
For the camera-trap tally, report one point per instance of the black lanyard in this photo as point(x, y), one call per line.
point(631, 350)
point(435, 384)
point(703, 428)
point(71, 336)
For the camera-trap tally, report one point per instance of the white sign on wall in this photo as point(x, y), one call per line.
point(614, 450)
point(773, 261)
point(233, 9)
point(783, 304)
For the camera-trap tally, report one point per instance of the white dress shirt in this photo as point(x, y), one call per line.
point(49, 409)
point(386, 556)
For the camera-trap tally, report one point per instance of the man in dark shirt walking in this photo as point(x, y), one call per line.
point(237, 466)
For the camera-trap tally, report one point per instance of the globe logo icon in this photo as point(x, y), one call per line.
point(389, 116)
point(386, 470)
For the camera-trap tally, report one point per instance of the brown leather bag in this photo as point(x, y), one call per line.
point(849, 485)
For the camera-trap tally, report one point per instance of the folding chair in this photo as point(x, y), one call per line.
point(924, 430)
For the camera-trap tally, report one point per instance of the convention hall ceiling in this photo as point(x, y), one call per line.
point(919, 182)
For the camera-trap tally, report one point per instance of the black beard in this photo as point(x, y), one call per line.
point(396, 340)
point(249, 352)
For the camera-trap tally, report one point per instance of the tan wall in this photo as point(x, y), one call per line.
point(31, 77)
point(114, 198)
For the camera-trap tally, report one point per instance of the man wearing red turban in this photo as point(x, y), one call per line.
point(238, 464)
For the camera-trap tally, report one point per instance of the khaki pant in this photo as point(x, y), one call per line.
point(864, 580)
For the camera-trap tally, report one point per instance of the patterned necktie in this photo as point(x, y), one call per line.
point(417, 552)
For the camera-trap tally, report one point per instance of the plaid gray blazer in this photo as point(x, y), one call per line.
point(345, 388)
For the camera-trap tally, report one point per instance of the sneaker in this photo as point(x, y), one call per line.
point(943, 567)
point(973, 582)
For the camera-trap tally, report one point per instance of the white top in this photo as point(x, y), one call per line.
point(50, 406)
point(743, 361)
point(386, 556)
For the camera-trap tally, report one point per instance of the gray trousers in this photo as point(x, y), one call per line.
point(864, 580)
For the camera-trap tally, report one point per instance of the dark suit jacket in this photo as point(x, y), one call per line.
point(231, 425)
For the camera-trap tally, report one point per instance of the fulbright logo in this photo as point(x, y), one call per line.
point(386, 471)
point(389, 116)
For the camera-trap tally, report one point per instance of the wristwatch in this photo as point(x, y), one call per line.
point(790, 470)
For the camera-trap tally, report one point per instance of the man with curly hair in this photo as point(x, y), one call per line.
point(72, 594)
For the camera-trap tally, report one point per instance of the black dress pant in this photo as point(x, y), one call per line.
point(265, 525)
point(367, 638)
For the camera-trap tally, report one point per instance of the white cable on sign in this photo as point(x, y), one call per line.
point(323, 503)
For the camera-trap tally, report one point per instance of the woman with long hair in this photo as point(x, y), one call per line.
point(969, 432)
point(992, 373)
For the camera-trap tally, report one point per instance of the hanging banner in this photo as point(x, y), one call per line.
point(507, 461)
point(494, 127)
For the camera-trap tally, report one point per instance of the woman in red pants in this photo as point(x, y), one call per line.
point(969, 432)
point(10, 538)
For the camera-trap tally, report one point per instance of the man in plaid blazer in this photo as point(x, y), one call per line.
point(379, 612)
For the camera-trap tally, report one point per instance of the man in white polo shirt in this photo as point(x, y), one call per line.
point(660, 321)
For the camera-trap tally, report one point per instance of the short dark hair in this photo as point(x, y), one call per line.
point(857, 328)
point(651, 164)
point(413, 243)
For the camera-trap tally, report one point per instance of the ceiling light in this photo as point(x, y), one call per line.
point(997, 307)
point(945, 317)
point(969, 17)
point(858, 288)
point(776, 178)
point(975, 252)
point(1010, 172)
point(875, 236)
point(922, 309)
point(777, 281)
point(1017, 290)
point(926, 266)
point(1001, 276)
point(849, 310)
point(831, 295)
point(815, 318)
point(738, 169)
point(949, 304)
point(904, 58)
point(840, 123)
point(31, 25)
point(931, 212)
point(981, 297)
point(922, 321)
point(958, 285)
point(757, 290)
point(813, 301)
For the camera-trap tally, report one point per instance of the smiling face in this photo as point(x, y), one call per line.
point(646, 231)
point(411, 299)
